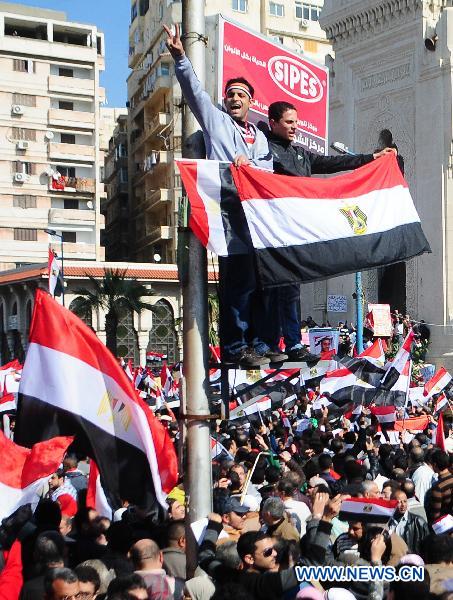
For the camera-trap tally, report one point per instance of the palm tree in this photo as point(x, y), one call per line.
point(117, 296)
point(214, 317)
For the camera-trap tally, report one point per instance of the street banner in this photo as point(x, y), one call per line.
point(382, 319)
point(276, 74)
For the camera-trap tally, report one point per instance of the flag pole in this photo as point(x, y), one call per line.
point(359, 308)
point(193, 276)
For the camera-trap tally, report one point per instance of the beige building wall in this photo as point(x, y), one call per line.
point(155, 102)
point(49, 124)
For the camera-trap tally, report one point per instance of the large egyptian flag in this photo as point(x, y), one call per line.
point(72, 385)
point(302, 228)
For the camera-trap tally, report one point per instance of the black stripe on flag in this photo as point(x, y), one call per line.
point(320, 260)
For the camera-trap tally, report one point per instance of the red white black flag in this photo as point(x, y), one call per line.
point(72, 385)
point(55, 274)
point(320, 227)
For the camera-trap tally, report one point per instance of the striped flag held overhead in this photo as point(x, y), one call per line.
point(304, 228)
point(437, 383)
point(384, 414)
point(367, 510)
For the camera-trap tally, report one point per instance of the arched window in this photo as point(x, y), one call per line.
point(126, 338)
point(162, 337)
point(78, 307)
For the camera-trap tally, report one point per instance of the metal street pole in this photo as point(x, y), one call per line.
point(198, 477)
point(359, 310)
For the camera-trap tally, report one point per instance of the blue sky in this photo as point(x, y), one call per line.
point(111, 17)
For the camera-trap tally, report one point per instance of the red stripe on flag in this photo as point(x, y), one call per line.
point(198, 221)
point(22, 466)
point(390, 504)
point(253, 185)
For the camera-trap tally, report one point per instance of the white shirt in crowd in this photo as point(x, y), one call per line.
point(423, 480)
point(301, 510)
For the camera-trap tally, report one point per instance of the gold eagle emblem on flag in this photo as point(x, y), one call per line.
point(356, 218)
point(367, 508)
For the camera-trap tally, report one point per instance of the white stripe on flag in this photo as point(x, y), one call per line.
point(89, 382)
point(11, 498)
point(296, 221)
point(209, 187)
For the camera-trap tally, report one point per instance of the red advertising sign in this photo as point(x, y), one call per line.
point(276, 74)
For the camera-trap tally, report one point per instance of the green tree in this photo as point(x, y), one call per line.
point(116, 296)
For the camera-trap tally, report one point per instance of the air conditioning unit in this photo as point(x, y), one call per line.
point(22, 145)
point(20, 177)
point(17, 109)
point(304, 23)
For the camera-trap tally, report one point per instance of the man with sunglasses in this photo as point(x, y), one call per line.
point(257, 552)
point(230, 137)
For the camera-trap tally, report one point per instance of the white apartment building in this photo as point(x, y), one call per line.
point(155, 102)
point(49, 135)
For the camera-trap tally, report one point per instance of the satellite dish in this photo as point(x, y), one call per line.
point(89, 204)
point(49, 135)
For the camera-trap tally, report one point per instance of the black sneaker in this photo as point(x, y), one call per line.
point(246, 358)
point(276, 357)
point(302, 355)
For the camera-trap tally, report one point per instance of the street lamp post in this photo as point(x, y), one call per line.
point(53, 233)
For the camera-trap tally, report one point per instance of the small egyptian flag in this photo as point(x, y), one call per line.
point(367, 510)
point(55, 275)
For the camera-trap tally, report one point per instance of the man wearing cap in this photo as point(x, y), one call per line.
point(234, 515)
point(230, 137)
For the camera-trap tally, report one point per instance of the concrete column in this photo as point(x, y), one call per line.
point(143, 341)
point(50, 32)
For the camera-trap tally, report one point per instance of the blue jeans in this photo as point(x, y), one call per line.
point(279, 315)
point(238, 295)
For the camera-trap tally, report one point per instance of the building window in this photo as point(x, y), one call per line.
point(24, 201)
point(71, 203)
point(19, 166)
point(18, 133)
point(134, 12)
point(239, 5)
point(65, 105)
point(144, 7)
point(162, 337)
point(69, 236)
point(123, 175)
point(64, 72)
point(277, 38)
point(165, 69)
point(305, 10)
point(276, 10)
point(127, 343)
point(67, 138)
point(65, 171)
point(24, 99)
point(26, 235)
point(24, 65)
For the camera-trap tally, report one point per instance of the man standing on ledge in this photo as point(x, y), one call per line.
point(282, 305)
point(229, 137)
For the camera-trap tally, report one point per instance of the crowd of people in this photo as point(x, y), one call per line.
point(278, 494)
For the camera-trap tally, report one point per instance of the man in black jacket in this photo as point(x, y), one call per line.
point(412, 528)
point(290, 159)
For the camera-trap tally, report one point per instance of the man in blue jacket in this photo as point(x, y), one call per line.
point(229, 137)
